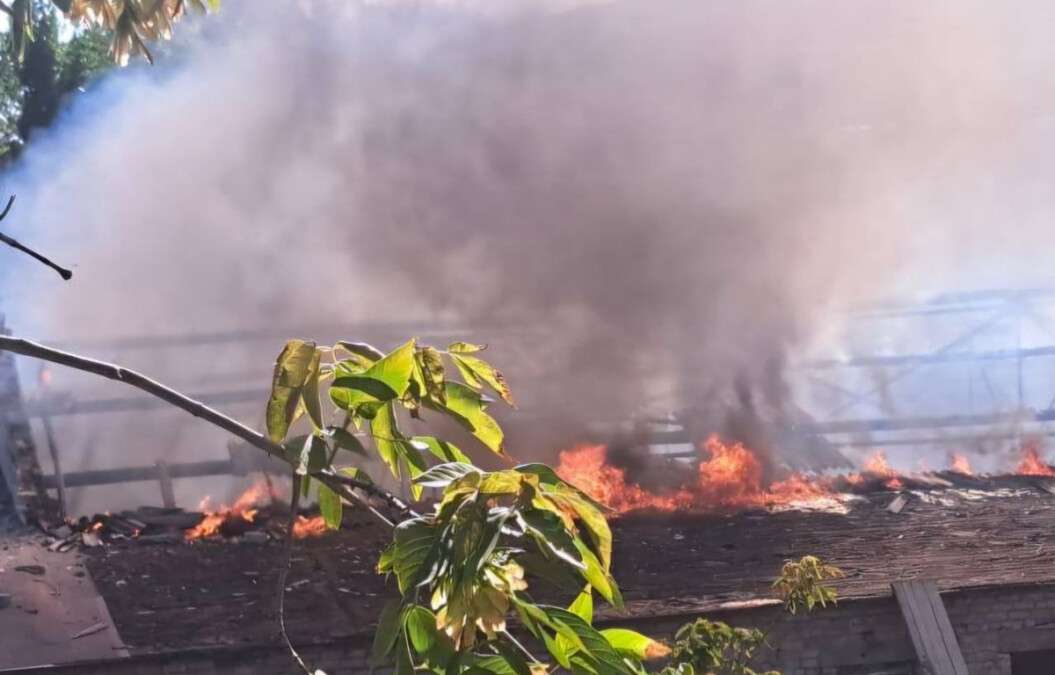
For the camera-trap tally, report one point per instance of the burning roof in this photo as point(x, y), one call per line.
point(965, 531)
point(730, 476)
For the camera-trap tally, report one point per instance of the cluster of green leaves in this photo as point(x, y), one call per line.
point(368, 389)
point(801, 584)
point(714, 647)
point(464, 568)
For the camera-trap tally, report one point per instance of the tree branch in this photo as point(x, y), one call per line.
point(374, 491)
point(340, 484)
point(63, 272)
point(6, 9)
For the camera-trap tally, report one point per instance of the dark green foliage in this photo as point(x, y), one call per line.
point(800, 584)
point(714, 647)
point(55, 48)
point(34, 88)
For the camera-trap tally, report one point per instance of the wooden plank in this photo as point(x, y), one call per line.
point(929, 627)
point(952, 645)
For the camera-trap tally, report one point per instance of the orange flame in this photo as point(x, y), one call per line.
point(960, 464)
point(242, 508)
point(309, 527)
point(1032, 464)
point(878, 466)
point(731, 476)
point(585, 467)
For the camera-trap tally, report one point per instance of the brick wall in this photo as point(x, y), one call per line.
point(863, 637)
point(869, 636)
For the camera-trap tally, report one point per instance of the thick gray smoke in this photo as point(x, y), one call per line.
point(661, 198)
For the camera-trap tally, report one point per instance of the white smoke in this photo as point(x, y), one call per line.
point(663, 196)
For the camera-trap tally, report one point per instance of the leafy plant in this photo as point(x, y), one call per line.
point(716, 648)
point(800, 584)
point(462, 568)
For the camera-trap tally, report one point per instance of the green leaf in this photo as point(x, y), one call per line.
point(442, 475)
point(515, 660)
point(582, 606)
point(356, 473)
point(388, 626)
point(352, 367)
point(309, 394)
point(589, 513)
point(447, 452)
point(552, 570)
point(593, 644)
point(493, 664)
point(501, 483)
point(394, 369)
point(558, 649)
point(397, 452)
point(415, 541)
point(331, 507)
point(552, 537)
point(467, 407)
point(293, 367)
point(597, 576)
point(361, 351)
point(634, 645)
point(482, 370)
point(464, 348)
point(384, 381)
point(415, 465)
point(387, 437)
point(387, 559)
point(404, 659)
point(467, 373)
point(546, 475)
point(307, 454)
point(345, 440)
point(432, 370)
point(420, 625)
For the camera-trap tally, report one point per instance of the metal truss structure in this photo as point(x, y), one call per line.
point(967, 369)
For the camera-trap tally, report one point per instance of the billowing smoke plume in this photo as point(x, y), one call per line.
point(655, 200)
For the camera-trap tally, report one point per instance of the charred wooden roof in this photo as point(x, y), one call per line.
point(176, 596)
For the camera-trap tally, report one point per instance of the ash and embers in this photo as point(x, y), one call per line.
point(730, 476)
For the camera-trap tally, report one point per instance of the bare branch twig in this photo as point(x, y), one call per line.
point(283, 574)
point(63, 272)
point(340, 484)
point(371, 489)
